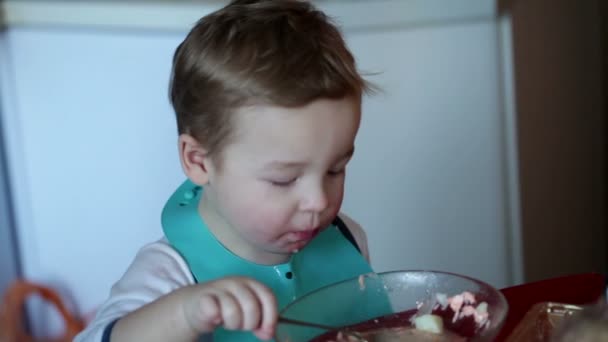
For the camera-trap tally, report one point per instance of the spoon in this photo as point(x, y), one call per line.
point(358, 337)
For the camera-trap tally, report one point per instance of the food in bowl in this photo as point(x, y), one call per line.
point(401, 335)
point(400, 306)
point(422, 326)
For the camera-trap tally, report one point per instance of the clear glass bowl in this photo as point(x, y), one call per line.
point(387, 300)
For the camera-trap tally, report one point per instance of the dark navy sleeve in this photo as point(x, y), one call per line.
point(346, 232)
point(107, 332)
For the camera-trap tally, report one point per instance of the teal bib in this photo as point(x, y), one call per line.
point(328, 258)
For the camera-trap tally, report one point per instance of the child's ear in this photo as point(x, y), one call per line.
point(194, 159)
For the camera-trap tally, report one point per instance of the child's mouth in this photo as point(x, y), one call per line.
point(304, 236)
point(300, 239)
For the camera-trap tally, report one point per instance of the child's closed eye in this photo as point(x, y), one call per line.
point(286, 182)
point(281, 182)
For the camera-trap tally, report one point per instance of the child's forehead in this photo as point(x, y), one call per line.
point(319, 115)
point(325, 109)
point(324, 128)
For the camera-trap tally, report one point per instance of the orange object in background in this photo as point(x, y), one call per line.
point(12, 313)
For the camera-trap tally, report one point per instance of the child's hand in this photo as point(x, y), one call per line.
point(234, 303)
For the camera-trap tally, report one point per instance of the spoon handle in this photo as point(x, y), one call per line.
point(354, 334)
point(305, 324)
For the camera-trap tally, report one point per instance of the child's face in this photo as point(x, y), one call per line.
point(281, 178)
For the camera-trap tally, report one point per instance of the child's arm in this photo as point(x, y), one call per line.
point(156, 271)
point(234, 303)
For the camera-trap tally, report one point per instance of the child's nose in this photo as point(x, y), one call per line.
point(315, 200)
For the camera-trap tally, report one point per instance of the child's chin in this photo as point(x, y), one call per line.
point(297, 246)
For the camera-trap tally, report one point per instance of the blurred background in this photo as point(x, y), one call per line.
point(484, 155)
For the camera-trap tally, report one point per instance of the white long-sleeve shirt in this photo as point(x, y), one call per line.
point(159, 269)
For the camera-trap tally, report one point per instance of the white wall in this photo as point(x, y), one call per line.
point(93, 155)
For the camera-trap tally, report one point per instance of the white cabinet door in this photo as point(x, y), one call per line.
point(93, 147)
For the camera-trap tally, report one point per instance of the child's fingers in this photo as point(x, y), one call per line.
point(232, 315)
point(263, 335)
point(269, 307)
point(210, 312)
point(251, 307)
point(239, 304)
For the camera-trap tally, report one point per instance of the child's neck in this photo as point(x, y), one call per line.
point(231, 240)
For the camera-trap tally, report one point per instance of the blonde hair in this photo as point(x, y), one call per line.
point(279, 52)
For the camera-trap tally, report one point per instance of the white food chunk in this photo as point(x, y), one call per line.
point(482, 308)
point(430, 323)
point(442, 298)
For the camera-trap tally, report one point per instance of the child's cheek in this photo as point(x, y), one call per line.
point(335, 202)
point(266, 218)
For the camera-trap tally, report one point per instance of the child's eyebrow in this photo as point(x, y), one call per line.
point(283, 165)
point(286, 165)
